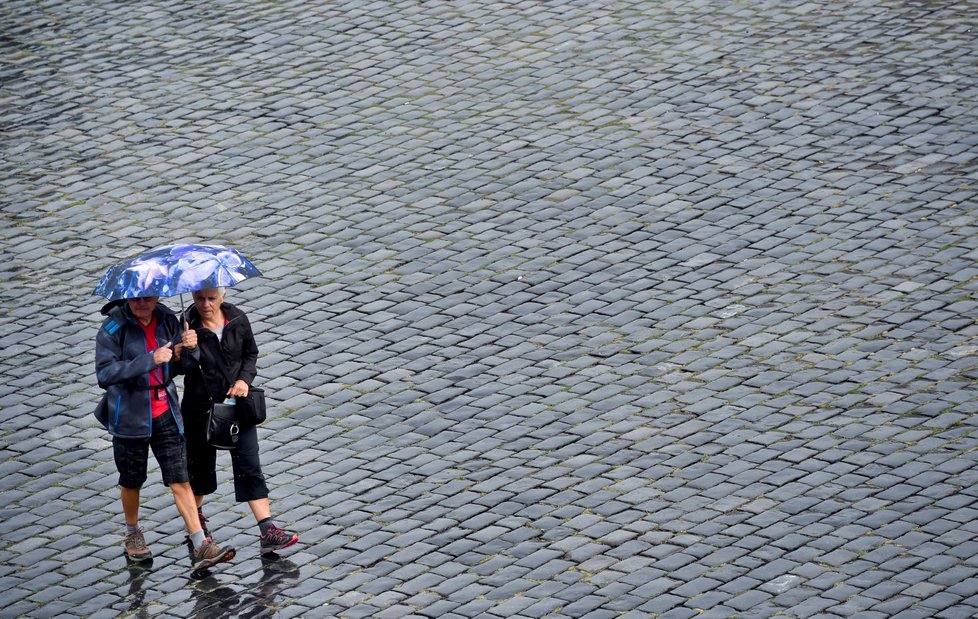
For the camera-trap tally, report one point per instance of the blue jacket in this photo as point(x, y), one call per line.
point(122, 366)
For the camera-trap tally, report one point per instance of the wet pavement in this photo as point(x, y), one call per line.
point(580, 309)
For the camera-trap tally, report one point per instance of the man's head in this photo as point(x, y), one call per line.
point(142, 308)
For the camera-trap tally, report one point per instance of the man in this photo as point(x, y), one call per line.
point(136, 357)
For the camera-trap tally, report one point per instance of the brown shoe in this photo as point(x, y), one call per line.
point(210, 554)
point(136, 548)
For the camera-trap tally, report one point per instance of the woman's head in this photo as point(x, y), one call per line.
point(208, 301)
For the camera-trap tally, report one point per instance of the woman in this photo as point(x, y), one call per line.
point(228, 355)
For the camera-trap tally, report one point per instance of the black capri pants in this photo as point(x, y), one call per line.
point(249, 482)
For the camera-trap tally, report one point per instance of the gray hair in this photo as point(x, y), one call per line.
point(221, 290)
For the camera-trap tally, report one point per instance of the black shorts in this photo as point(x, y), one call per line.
point(169, 447)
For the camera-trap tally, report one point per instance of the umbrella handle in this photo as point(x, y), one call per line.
point(183, 313)
point(186, 327)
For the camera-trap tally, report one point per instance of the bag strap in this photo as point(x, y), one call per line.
point(203, 381)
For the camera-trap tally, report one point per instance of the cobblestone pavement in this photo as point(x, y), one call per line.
point(570, 309)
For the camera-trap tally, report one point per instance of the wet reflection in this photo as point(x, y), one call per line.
point(213, 599)
point(216, 594)
point(138, 573)
point(277, 574)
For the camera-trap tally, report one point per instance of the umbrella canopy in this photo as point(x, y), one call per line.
point(175, 269)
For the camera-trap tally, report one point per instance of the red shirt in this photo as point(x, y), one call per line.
point(160, 403)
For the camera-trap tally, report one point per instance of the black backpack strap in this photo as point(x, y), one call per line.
point(158, 387)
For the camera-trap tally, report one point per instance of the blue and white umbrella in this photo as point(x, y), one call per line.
point(175, 269)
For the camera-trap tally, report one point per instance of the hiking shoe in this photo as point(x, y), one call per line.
point(276, 539)
point(136, 548)
point(203, 523)
point(210, 554)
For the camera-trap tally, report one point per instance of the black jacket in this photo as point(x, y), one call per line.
point(222, 362)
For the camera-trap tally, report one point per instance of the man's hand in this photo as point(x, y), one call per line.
point(163, 354)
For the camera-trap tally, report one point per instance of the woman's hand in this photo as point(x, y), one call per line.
point(189, 339)
point(238, 390)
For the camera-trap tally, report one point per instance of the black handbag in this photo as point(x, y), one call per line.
point(251, 408)
point(222, 426)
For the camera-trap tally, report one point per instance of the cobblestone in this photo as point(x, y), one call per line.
point(576, 310)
